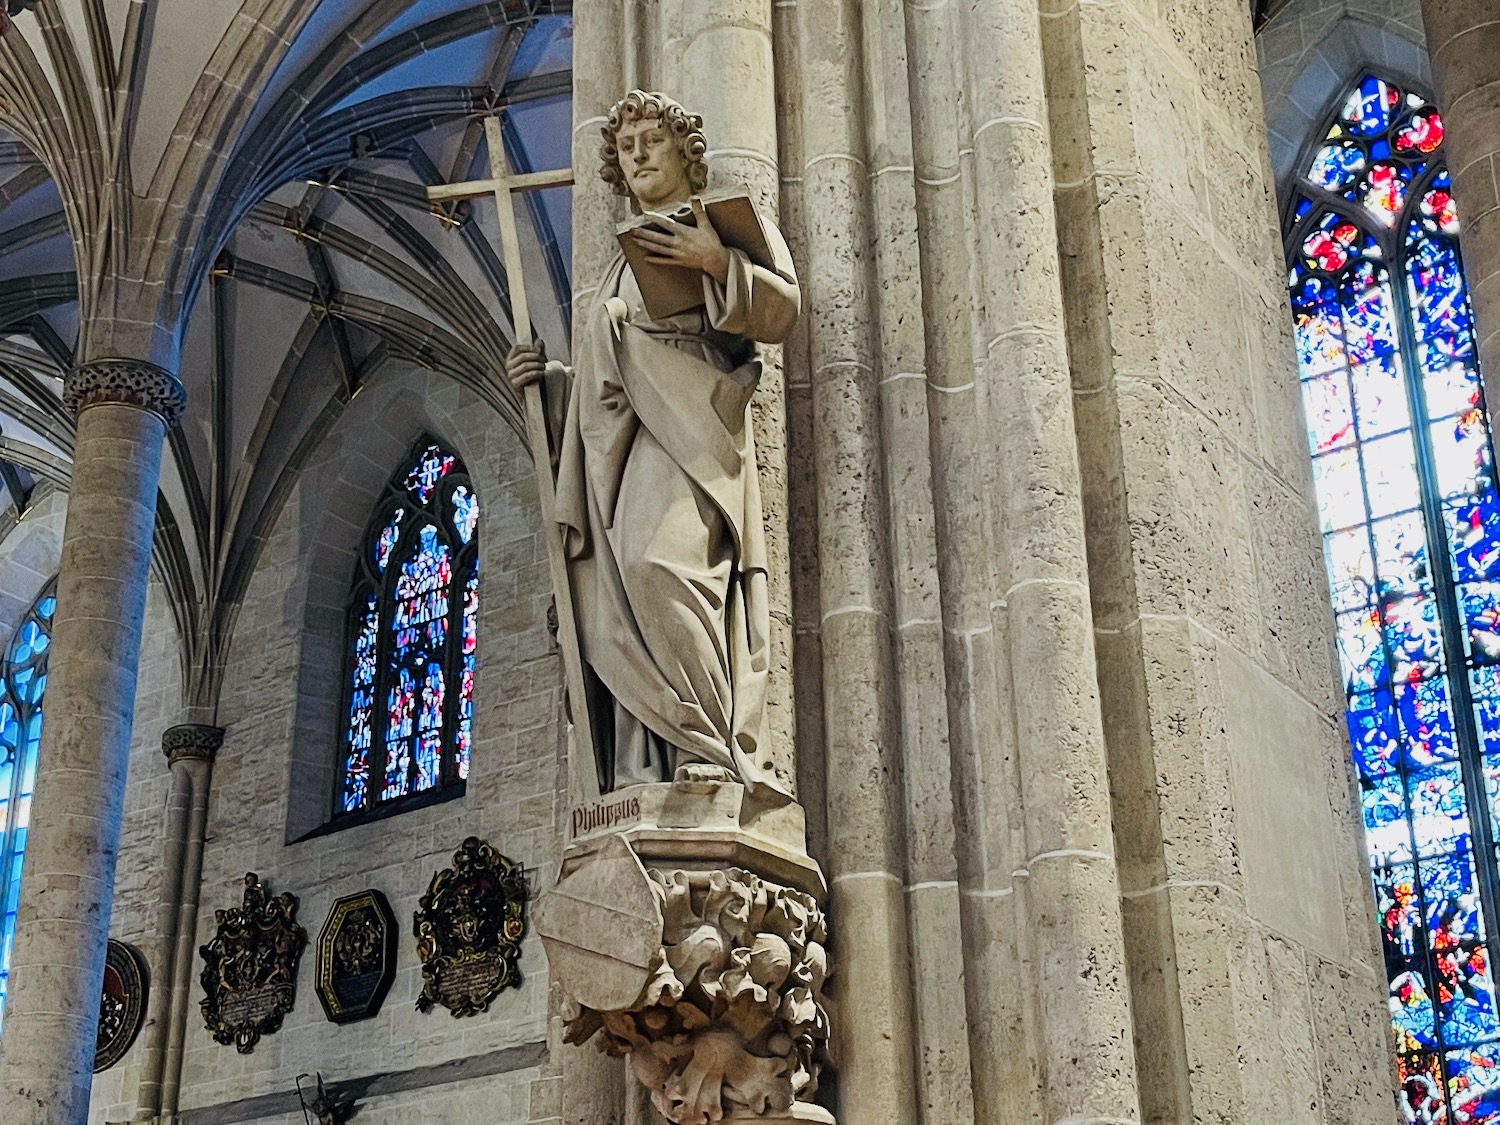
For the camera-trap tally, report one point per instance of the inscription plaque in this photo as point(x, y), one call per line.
point(469, 927)
point(249, 973)
point(356, 957)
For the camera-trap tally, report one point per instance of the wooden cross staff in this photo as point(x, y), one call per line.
point(504, 185)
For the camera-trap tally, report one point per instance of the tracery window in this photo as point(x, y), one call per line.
point(1404, 474)
point(25, 679)
point(413, 637)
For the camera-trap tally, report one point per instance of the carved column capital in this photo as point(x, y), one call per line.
point(191, 742)
point(133, 382)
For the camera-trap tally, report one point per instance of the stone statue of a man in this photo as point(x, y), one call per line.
point(657, 491)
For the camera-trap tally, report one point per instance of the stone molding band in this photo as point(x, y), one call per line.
point(131, 382)
point(191, 742)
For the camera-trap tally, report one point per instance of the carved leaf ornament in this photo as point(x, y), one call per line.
point(468, 928)
point(250, 968)
point(731, 1020)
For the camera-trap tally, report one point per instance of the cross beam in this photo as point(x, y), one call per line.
point(504, 185)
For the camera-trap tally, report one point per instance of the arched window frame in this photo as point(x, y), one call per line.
point(21, 695)
point(1427, 743)
point(430, 490)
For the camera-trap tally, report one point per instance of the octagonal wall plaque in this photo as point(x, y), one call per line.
point(356, 957)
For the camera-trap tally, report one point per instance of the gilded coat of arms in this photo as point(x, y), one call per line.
point(469, 927)
point(250, 968)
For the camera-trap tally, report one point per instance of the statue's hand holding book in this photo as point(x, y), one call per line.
point(656, 250)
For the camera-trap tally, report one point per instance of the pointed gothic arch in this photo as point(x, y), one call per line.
point(408, 716)
point(1404, 472)
point(25, 682)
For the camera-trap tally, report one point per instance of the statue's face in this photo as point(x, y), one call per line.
point(655, 169)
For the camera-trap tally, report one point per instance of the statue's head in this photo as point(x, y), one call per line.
point(653, 151)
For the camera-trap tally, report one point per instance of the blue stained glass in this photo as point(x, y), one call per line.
point(466, 683)
point(1473, 1080)
point(1474, 535)
point(1336, 165)
point(386, 541)
point(429, 760)
point(432, 466)
point(1387, 832)
point(1320, 340)
point(20, 737)
point(1369, 320)
point(1466, 995)
point(1427, 720)
point(1400, 910)
point(1452, 913)
point(406, 652)
point(1413, 639)
point(465, 513)
point(1374, 732)
point(1484, 686)
point(1367, 110)
point(1480, 602)
point(1439, 815)
point(1411, 1011)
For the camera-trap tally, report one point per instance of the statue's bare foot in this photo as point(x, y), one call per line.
point(702, 771)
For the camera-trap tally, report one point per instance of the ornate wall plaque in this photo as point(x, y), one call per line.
point(468, 927)
point(250, 968)
point(356, 957)
point(122, 1003)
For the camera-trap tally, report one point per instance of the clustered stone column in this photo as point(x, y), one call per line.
point(124, 408)
point(1463, 40)
point(190, 750)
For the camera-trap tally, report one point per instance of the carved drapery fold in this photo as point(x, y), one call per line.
point(132, 382)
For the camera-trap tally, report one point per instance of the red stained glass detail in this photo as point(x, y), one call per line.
point(1330, 250)
point(411, 639)
point(1423, 133)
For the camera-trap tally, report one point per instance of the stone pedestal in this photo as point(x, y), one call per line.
point(687, 931)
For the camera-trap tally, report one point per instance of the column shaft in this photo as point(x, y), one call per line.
point(874, 1019)
point(200, 771)
point(1463, 39)
point(723, 67)
point(154, 1047)
point(68, 884)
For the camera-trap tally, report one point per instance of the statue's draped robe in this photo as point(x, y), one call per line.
point(659, 501)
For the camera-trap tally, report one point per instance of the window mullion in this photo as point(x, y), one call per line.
point(1445, 590)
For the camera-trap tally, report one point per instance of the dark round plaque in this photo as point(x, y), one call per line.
point(122, 1003)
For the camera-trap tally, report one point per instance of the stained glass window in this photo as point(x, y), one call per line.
point(1405, 483)
point(413, 638)
point(25, 679)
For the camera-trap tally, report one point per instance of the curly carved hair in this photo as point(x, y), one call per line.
point(685, 127)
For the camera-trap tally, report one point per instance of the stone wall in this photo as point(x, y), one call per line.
point(271, 784)
point(1256, 984)
point(1313, 50)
